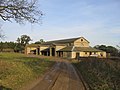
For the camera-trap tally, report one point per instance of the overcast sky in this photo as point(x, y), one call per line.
point(96, 20)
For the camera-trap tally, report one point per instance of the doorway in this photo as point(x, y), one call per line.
point(53, 51)
point(38, 51)
point(77, 55)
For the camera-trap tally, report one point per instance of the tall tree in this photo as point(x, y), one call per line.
point(20, 11)
point(21, 43)
point(24, 39)
point(1, 46)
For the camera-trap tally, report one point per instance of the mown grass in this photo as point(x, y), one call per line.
point(100, 74)
point(17, 69)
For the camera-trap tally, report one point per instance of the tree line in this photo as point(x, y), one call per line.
point(109, 49)
point(19, 45)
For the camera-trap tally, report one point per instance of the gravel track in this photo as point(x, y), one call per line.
point(62, 76)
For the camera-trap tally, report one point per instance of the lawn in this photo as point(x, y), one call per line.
point(100, 74)
point(16, 70)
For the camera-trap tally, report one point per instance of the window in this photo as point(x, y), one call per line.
point(94, 52)
point(81, 39)
point(101, 54)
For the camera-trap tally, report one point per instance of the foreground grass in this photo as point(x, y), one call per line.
point(17, 69)
point(100, 74)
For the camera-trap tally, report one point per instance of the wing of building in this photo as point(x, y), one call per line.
point(67, 48)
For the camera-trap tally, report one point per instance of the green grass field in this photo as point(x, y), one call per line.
point(16, 70)
point(100, 74)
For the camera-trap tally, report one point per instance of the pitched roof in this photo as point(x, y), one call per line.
point(84, 49)
point(63, 41)
point(87, 49)
point(66, 49)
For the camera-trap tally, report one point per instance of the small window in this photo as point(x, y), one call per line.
point(81, 39)
point(94, 52)
point(101, 54)
point(85, 52)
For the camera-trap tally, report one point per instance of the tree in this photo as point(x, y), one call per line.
point(101, 47)
point(20, 11)
point(39, 42)
point(1, 46)
point(7, 46)
point(18, 47)
point(24, 39)
point(118, 46)
point(112, 50)
point(21, 43)
point(109, 49)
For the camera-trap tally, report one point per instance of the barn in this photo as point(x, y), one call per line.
point(66, 48)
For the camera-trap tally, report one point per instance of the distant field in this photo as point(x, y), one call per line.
point(17, 69)
point(100, 74)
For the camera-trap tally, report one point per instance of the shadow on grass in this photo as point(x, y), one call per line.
point(4, 88)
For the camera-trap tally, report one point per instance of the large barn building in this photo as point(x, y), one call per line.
point(67, 48)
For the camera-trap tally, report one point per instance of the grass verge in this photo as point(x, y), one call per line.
point(100, 74)
point(17, 69)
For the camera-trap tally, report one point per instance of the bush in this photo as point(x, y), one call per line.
point(100, 74)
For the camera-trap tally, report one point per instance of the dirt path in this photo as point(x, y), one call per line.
point(62, 76)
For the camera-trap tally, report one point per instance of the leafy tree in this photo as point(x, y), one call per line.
point(1, 46)
point(101, 47)
point(7, 45)
point(39, 42)
point(118, 46)
point(11, 45)
point(109, 49)
point(20, 11)
point(18, 47)
point(112, 50)
point(24, 39)
point(21, 43)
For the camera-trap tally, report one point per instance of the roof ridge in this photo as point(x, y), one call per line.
point(63, 39)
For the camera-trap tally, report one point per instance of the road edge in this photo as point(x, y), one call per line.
point(81, 78)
